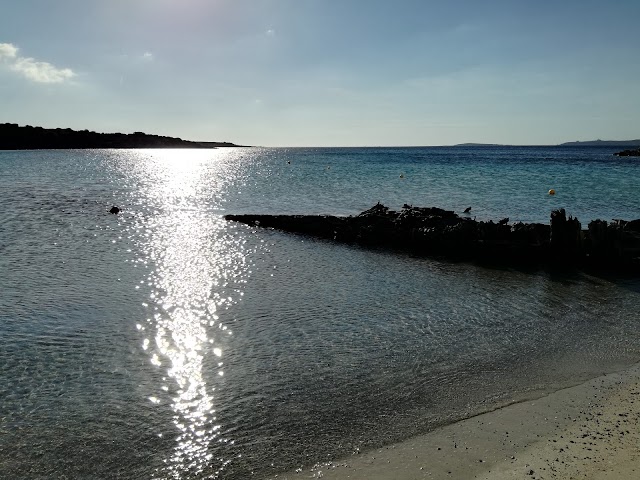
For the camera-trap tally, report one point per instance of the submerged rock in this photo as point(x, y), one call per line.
point(628, 153)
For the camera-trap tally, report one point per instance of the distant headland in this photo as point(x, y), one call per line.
point(15, 137)
point(586, 143)
point(603, 143)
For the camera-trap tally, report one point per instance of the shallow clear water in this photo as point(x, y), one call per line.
point(167, 343)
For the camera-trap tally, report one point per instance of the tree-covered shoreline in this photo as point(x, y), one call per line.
point(16, 137)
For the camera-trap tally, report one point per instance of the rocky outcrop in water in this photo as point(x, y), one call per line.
point(437, 232)
point(628, 153)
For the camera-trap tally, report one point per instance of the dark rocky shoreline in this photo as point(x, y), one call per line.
point(610, 246)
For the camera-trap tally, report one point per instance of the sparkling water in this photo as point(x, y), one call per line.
point(165, 342)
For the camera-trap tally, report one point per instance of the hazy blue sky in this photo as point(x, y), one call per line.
point(326, 72)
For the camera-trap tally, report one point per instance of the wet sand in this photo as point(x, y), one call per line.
point(589, 431)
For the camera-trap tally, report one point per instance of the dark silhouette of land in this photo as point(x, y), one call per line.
point(480, 145)
point(15, 137)
point(586, 143)
point(603, 143)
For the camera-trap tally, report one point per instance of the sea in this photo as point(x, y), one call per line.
point(165, 342)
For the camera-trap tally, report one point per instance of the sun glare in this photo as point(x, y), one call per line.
point(190, 283)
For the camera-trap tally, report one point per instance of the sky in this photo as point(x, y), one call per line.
point(326, 72)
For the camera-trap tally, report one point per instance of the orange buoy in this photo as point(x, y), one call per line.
point(552, 192)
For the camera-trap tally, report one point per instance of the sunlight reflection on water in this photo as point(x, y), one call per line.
point(196, 269)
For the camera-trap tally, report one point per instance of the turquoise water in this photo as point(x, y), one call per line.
point(167, 343)
point(496, 182)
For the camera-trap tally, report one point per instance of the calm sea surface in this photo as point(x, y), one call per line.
point(166, 343)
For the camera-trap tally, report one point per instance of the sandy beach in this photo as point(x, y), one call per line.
point(589, 431)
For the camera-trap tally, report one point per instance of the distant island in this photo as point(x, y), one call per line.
point(603, 143)
point(479, 145)
point(15, 137)
point(586, 143)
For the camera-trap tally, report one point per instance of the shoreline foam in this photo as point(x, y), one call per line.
point(588, 431)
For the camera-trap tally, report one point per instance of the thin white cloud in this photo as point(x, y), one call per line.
point(147, 56)
point(271, 32)
point(40, 72)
